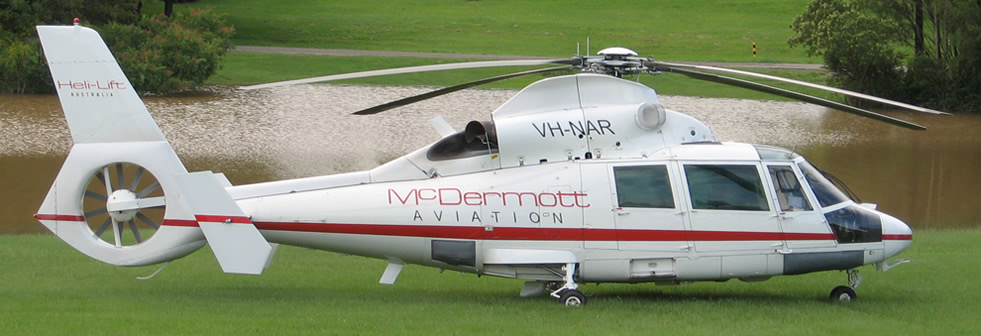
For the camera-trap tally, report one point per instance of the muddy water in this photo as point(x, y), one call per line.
point(930, 179)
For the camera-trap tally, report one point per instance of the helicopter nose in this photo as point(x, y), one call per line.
point(896, 235)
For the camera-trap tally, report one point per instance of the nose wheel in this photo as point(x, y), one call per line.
point(843, 294)
point(847, 293)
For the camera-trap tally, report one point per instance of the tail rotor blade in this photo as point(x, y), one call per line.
point(153, 187)
point(96, 212)
point(136, 231)
point(105, 225)
point(136, 179)
point(96, 196)
point(119, 176)
point(146, 220)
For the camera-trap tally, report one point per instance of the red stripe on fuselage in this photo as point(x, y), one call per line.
point(552, 234)
point(499, 233)
point(223, 219)
point(180, 222)
point(897, 237)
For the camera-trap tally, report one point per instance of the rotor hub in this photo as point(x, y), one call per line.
point(122, 205)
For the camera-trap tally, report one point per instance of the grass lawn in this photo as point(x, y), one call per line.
point(251, 68)
point(49, 289)
point(706, 30)
point(714, 30)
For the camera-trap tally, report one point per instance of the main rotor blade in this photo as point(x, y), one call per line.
point(411, 69)
point(795, 95)
point(660, 65)
point(443, 91)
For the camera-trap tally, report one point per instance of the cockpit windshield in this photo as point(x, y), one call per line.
point(825, 191)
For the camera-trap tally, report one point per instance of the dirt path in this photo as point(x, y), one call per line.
point(354, 52)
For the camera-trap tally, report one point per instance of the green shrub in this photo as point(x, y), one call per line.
point(162, 55)
point(22, 67)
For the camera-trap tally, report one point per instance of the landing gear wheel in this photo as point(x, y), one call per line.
point(572, 297)
point(843, 294)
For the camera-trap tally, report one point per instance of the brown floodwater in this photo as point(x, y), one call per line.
point(930, 179)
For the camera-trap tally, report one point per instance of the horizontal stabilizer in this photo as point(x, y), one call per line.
point(236, 242)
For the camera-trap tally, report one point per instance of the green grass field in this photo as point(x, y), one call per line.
point(250, 68)
point(713, 30)
point(50, 289)
point(705, 30)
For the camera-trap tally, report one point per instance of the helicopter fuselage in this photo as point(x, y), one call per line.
point(704, 211)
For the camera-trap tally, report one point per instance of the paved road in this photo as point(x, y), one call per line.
point(353, 52)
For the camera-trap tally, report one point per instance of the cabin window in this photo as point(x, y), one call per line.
point(726, 187)
point(643, 187)
point(825, 191)
point(787, 186)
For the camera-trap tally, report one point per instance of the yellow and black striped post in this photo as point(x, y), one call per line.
point(754, 49)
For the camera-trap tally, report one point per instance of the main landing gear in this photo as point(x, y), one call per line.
point(847, 293)
point(568, 294)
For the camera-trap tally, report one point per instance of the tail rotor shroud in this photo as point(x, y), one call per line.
point(124, 204)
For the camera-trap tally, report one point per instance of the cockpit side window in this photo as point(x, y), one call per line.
point(726, 187)
point(643, 187)
point(787, 186)
point(825, 191)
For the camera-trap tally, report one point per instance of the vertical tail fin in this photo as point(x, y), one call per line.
point(122, 196)
point(111, 198)
point(99, 101)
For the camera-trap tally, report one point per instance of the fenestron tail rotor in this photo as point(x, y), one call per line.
point(123, 204)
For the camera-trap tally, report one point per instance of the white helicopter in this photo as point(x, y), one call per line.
point(577, 178)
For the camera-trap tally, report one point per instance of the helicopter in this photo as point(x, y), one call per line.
point(578, 178)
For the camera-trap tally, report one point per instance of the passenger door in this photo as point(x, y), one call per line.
point(648, 215)
point(730, 209)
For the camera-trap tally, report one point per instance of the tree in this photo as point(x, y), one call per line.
point(22, 65)
point(857, 47)
point(163, 54)
point(920, 51)
point(160, 54)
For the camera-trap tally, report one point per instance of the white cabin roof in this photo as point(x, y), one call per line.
point(710, 151)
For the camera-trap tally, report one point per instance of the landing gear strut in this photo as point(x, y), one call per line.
point(847, 293)
point(568, 294)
